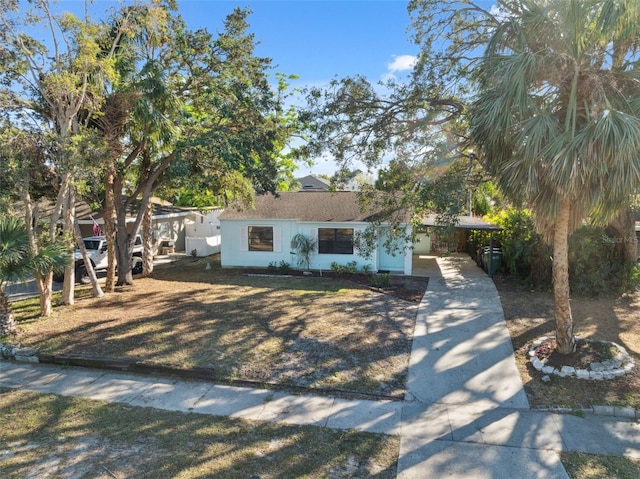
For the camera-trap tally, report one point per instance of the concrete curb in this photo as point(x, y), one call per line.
point(30, 355)
point(608, 411)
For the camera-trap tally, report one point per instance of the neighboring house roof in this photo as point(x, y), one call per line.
point(159, 212)
point(313, 206)
point(85, 215)
point(313, 183)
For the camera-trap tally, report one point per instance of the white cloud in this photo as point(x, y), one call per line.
point(402, 63)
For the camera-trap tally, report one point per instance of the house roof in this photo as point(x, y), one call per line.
point(315, 206)
point(313, 183)
point(86, 215)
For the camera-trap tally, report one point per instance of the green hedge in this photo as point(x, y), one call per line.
point(594, 269)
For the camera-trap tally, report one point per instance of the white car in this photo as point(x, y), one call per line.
point(96, 247)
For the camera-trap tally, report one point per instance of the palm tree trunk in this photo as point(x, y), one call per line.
point(7, 321)
point(147, 241)
point(564, 321)
point(110, 228)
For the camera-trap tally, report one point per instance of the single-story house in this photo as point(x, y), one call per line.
point(262, 236)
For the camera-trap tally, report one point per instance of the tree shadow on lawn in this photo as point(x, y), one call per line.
point(325, 334)
point(77, 437)
point(529, 315)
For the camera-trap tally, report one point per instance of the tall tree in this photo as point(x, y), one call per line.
point(201, 103)
point(557, 118)
point(52, 85)
point(404, 128)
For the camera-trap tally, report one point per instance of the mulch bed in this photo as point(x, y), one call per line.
point(409, 288)
point(587, 352)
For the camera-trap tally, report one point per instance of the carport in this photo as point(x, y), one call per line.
point(465, 223)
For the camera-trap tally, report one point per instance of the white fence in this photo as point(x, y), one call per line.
point(203, 246)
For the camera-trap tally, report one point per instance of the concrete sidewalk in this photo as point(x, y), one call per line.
point(465, 414)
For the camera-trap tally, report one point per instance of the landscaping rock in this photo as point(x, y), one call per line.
point(549, 370)
point(582, 374)
point(537, 364)
point(27, 355)
point(567, 371)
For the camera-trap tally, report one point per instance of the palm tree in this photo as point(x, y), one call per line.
point(557, 118)
point(17, 261)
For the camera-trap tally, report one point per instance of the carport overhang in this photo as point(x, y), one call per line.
point(464, 223)
point(467, 223)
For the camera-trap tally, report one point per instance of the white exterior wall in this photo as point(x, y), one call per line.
point(203, 225)
point(202, 233)
point(234, 254)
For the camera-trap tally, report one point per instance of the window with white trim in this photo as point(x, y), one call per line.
point(335, 240)
point(260, 238)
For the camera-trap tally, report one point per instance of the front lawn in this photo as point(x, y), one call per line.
point(48, 436)
point(305, 332)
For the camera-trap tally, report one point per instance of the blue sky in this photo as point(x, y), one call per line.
point(319, 39)
point(314, 39)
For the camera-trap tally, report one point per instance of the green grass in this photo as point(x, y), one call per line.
point(56, 435)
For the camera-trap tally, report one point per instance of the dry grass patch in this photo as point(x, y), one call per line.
point(595, 466)
point(529, 315)
point(306, 332)
point(48, 436)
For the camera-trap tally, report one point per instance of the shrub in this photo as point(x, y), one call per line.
point(284, 267)
point(304, 247)
point(279, 268)
point(590, 262)
point(350, 268)
point(593, 267)
point(381, 280)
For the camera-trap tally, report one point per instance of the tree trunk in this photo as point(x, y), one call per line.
point(7, 321)
point(110, 229)
point(625, 239)
point(147, 241)
point(125, 276)
point(69, 217)
point(124, 251)
point(44, 283)
point(564, 321)
point(45, 291)
point(97, 291)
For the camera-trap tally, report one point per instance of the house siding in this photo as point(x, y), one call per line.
point(232, 254)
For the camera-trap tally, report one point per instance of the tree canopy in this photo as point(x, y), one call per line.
point(543, 94)
point(127, 104)
point(557, 118)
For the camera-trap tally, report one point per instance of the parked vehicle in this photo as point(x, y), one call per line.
point(96, 247)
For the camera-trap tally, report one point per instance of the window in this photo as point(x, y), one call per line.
point(260, 238)
point(335, 240)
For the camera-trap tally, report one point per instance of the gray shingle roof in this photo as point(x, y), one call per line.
point(316, 206)
point(313, 183)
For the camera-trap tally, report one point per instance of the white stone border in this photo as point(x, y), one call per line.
point(613, 368)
